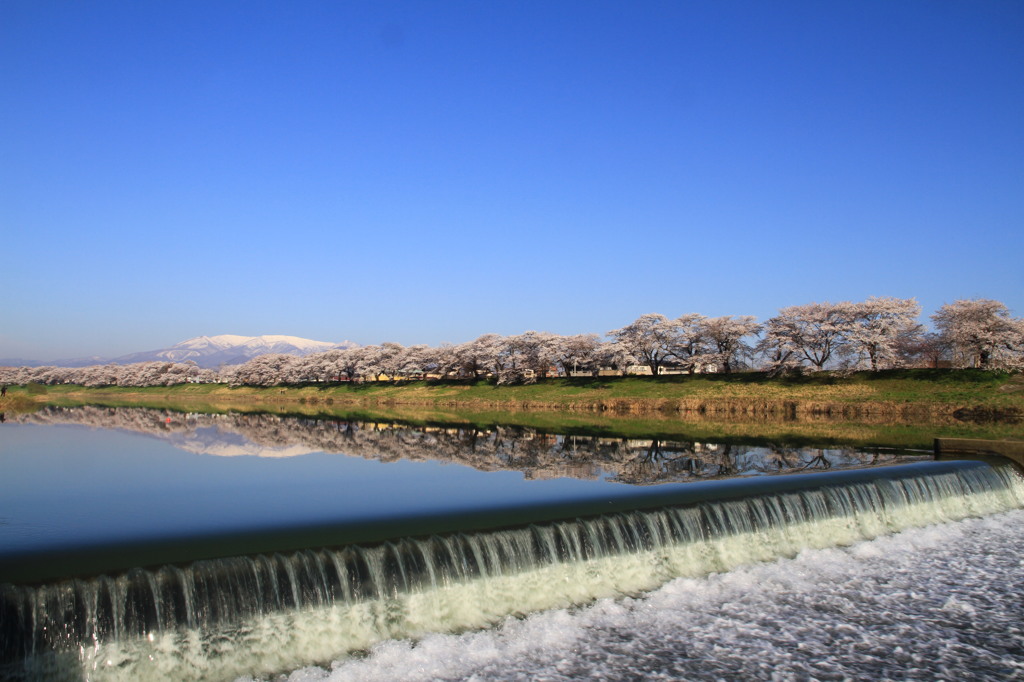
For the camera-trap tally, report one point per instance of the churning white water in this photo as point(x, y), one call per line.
point(936, 603)
point(264, 616)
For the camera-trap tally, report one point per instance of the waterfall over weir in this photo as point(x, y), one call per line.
point(258, 615)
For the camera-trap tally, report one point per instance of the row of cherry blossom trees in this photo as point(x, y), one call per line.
point(134, 374)
point(875, 334)
point(511, 359)
point(882, 333)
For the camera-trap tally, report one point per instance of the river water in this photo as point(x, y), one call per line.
point(936, 603)
point(279, 548)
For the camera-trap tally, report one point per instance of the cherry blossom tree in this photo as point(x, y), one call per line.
point(97, 375)
point(813, 332)
point(155, 373)
point(349, 362)
point(393, 360)
point(981, 333)
point(616, 356)
point(370, 363)
point(778, 346)
point(416, 361)
point(486, 354)
point(527, 357)
point(575, 353)
point(880, 327)
point(322, 367)
point(263, 370)
point(443, 361)
point(725, 339)
point(652, 339)
point(689, 343)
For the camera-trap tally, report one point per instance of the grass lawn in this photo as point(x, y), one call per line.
point(950, 388)
point(901, 408)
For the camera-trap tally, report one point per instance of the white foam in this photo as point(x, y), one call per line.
point(927, 603)
point(788, 610)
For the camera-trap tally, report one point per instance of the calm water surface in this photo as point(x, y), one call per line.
point(80, 485)
point(81, 477)
point(555, 557)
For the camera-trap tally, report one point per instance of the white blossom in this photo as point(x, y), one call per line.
point(813, 332)
point(981, 333)
point(725, 336)
point(880, 327)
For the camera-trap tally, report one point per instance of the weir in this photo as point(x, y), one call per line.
point(266, 613)
point(951, 448)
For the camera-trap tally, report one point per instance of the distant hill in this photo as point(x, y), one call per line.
point(206, 351)
point(229, 349)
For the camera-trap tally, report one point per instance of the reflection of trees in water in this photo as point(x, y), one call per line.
point(500, 448)
point(675, 460)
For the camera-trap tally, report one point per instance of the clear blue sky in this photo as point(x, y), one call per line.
point(423, 172)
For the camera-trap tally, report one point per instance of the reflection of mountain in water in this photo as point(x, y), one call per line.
point(538, 455)
point(265, 613)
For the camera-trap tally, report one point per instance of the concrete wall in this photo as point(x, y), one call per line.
point(1011, 449)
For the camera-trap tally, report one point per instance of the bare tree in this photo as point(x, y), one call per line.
point(928, 349)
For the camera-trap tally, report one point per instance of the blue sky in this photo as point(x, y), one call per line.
point(424, 172)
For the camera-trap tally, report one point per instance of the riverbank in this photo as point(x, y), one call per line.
point(863, 395)
point(926, 398)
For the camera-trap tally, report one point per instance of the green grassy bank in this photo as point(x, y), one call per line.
point(905, 408)
point(886, 394)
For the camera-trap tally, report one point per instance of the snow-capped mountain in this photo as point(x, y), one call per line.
point(230, 349)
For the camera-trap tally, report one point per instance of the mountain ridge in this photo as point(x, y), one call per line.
point(208, 352)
